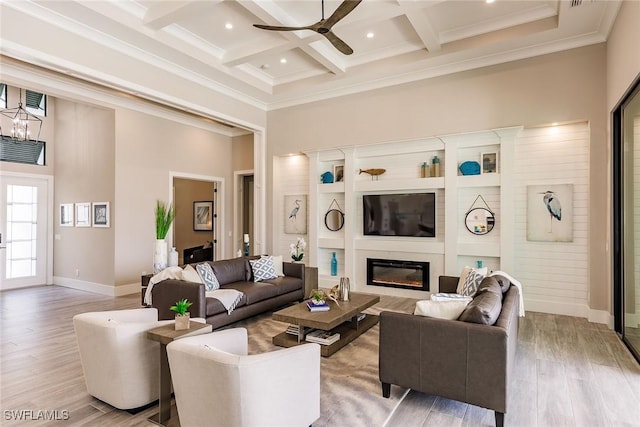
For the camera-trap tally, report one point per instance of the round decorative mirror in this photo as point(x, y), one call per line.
point(334, 219)
point(479, 220)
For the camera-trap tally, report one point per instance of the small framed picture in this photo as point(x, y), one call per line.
point(489, 162)
point(83, 214)
point(101, 214)
point(203, 216)
point(66, 215)
point(338, 173)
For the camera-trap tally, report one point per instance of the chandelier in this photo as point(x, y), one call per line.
point(24, 125)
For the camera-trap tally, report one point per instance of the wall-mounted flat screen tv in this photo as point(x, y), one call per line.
point(399, 214)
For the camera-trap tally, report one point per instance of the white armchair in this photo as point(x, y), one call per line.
point(216, 383)
point(120, 365)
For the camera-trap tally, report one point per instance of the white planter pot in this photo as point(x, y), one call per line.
point(160, 256)
point(182, 322)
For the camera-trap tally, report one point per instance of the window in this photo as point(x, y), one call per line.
point(28, 152)
point(3, 95)
point(36, 103)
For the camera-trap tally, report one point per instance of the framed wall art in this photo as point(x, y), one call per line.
point(550, 213)
point(489, 162)
point(203, 216)
point(295, 211)
point(101, 214)
point(83, 214)
point(338, 173)
point(66, 214)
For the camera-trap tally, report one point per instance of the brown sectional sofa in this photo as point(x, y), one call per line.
point(232, 274)
point(460, 360)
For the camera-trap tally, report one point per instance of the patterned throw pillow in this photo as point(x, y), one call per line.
point(263, 269)
point(208, 278)
point(470, 285)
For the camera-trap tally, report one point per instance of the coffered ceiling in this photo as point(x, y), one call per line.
point(214, 42)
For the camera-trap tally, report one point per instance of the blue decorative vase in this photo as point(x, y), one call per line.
point(327, 177)
point(334, 264)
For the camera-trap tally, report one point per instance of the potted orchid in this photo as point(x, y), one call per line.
point(297, 249)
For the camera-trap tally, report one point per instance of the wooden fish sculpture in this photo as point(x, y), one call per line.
point(373, 172)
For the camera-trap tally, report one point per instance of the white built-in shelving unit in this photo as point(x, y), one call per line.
point(453, 246)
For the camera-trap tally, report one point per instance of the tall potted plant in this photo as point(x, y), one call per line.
point(164, 217)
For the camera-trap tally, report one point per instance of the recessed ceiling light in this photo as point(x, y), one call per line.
point(370, 35)
point(228, 25)
point(283, 60)
point(489, 1)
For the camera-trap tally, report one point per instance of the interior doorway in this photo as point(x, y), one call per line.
point(244, 211)
point(195, 227)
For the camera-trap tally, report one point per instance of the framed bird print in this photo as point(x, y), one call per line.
point(550, 213)
point(295, 214)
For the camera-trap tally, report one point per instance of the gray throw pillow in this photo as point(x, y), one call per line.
point(484, 309)
point(208, 278)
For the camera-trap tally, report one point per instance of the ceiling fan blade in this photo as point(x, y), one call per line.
point(275, 28)
point(338, 43)
point(343, 10)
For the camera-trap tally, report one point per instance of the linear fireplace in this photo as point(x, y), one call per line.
point(398, 274)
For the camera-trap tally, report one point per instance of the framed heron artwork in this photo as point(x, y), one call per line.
point(550, 213)
point(295, 214)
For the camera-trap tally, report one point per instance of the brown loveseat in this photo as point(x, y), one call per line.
point(236, 274)
point(459, 360)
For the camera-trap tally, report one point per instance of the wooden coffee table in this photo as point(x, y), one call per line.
point(341, 319)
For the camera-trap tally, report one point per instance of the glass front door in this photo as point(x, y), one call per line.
point(23, 231)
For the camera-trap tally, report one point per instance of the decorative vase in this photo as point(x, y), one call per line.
point(173, 257)
point(160, 256)
point(334, 264)
point(182, 322)
point(297, 259)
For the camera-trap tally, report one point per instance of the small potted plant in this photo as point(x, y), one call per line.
point(182, 315)
point(317, 296)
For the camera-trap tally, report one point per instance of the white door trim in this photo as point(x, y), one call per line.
point(48, 179)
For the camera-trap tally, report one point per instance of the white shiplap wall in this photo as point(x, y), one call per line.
point(554, 275)
point(290, 176)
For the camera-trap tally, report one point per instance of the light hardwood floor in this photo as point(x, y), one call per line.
point(568, 371)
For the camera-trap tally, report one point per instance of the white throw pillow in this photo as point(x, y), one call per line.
point(466, 283)
point(191, 275)
point(277, 264)
point(450, 310)
point(263, 269)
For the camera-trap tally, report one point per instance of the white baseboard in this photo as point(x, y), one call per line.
point(567, 309)
point(97, 288)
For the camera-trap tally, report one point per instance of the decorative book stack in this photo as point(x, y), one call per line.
point(293, 330)
point(314, 306)
point(323, 337)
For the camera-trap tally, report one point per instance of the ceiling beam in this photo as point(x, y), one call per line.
point(272, 14)
point(163, 13)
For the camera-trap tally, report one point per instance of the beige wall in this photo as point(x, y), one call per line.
point(187, 191)
point(84, 172)
point(623, 56)
point(242, 152)
point(560, 87)
point(148, 149)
